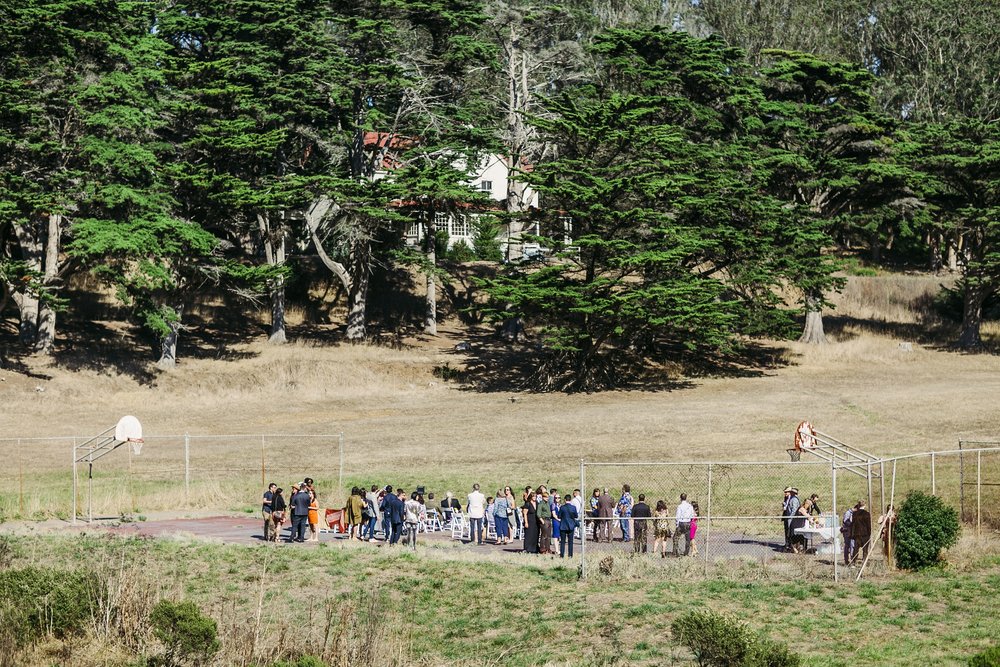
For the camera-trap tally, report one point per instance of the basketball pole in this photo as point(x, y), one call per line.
point(340, 479)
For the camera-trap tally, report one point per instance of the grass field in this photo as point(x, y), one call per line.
point(443, 607)
point(404, 425)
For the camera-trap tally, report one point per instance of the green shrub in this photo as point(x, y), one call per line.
point(47, 601)
point(461, 252)
point(485, 241)
point(718, 640)
point(186, 633)
point(988, 658)
point(926, 526)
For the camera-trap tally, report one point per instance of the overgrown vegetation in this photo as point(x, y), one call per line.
point(186, 634)
point(926, 527)
point(718, 640)
point(338, 605)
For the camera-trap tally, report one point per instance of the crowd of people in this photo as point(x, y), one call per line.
point(543, 519)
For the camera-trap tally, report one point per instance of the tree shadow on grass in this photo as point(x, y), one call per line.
point(494, 364)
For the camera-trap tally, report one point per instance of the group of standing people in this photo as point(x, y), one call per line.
point(636, 521)
point(301, 507)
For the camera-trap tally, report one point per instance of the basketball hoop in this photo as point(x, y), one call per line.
point(136, 445)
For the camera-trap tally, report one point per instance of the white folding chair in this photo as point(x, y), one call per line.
point(460, 528)
point(433, 520)
point(491, 526)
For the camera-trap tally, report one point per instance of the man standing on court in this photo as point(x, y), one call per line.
point(605, 514)
point(476, 509)
point(266, 509)
point(685, 513)
point(641, 515)
point(300, 516)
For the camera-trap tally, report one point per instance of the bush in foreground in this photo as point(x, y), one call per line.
point(720, 641)
point(988, 658)
point(925, 528)
point(42, 601)
point(186, 633)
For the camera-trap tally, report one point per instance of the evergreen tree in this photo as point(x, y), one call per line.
point(958, 166)
point(831, 160)
point(674, 234)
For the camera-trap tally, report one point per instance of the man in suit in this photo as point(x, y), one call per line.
point(397, 514)
point(300, 516)
point(568, 518)
point(641, 515)
point(861, 530)
point(605, 513)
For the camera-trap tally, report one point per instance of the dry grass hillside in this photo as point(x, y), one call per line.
point(402, 423)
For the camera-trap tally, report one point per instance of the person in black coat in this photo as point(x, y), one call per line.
point(300, 516)
point(641, 515)
point(861, 530)
point(395, 509)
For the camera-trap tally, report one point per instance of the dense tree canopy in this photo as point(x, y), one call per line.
point(690, 176)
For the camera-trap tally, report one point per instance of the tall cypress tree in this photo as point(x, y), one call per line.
point(659, 167)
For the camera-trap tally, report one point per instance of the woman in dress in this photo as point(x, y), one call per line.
point(661, 528)
point(313, 517)
point(529, 519)
point(544, 513)
point(513, 514)
point(355, 508)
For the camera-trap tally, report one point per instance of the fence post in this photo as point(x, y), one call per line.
point(833, 483)
point(583, 526)
point(263, 475)
point(187, 466)
point(933, 476)
point(868, 470)
point(708, 512)
point(20, 479)
point(979, 493)
point(881, 482)
point(961, 480)
point(74, 482)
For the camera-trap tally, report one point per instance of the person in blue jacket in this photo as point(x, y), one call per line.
point(567, 524)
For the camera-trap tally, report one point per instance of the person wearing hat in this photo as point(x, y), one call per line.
point(786, 518)
point(792, 511)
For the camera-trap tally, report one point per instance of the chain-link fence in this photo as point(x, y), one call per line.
point(48, 477)
point(734, 515)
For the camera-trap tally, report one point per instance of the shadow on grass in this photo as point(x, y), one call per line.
point(494, 364)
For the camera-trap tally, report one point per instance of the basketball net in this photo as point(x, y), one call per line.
point(136, 445)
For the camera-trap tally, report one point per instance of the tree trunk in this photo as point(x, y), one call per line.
point(47, 312)
point(972, 314)
point(813, 332)
point(27, 303)
point(274, 252)
point(168, 345)
point(357, 293)
point(517, 142)
point(430, 248)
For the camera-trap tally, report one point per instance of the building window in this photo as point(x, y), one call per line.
point(566, 222)
point(486, 186)
point(441, 221)
point(459, 226)
point(415, 230)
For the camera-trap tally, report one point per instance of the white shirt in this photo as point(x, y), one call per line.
point(577, 502)
point(684, 512)
point(477, 505)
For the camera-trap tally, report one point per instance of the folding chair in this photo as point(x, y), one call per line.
point(460, 528)
point(491, 527)
point(433, 521)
